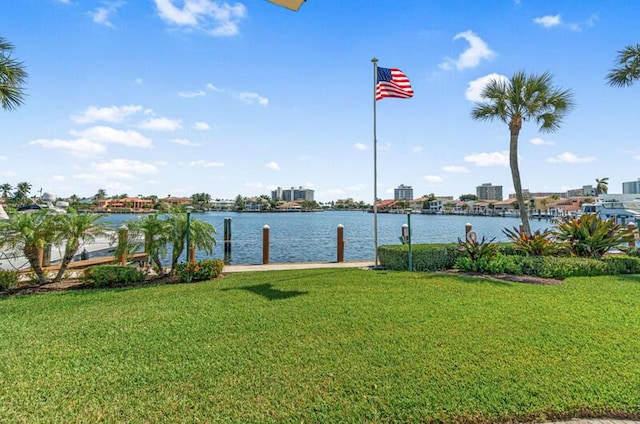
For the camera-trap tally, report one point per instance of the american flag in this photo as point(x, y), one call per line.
point(393, 83)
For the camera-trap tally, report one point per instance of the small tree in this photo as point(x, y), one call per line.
point(30, 233)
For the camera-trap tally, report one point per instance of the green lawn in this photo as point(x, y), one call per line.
point(331, 345)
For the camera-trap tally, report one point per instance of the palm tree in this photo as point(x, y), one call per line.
point(6, 189)
point(200, 235)
point(76, 228)
point(12, 77)
point(156, 233)
point(101, 194)
point(602, 186)
point(30, 233)
point(627, 70)
point(523, 97)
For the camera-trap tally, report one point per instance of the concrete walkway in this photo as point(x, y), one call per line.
point(303, 265)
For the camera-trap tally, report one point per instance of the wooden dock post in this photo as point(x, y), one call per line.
point(265, 244)
point(123, 237)
point(340, 238)
point(227, 239)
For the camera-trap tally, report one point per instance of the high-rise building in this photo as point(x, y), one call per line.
point(403, 192)
point(631, 187)
point(487, 191)
point(293, 194)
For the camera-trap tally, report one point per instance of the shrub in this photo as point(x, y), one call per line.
point(200, 271)
point(539, 243)
point(426, 257)
point(476, 250)
point(8, 279)
point(622, 264)
point(112, 275)
point(591, 237)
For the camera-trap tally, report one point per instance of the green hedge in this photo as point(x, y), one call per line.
point(113, 275)
point(552, 266)
point(426, 257)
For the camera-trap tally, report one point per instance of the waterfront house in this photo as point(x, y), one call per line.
point(125, 205)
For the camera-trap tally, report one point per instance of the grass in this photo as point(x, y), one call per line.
point(324, 346)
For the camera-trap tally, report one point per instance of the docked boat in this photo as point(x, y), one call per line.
point(623, 208)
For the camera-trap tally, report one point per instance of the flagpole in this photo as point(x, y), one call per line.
point(375, 164)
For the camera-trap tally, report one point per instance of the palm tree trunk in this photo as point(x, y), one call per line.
point(515, 174)
point(32, 255)
point(69, 251)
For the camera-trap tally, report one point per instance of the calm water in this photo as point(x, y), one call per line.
point(311, 237)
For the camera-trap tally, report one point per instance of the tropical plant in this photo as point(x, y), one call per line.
point(156, 234)
point(75, 229)
point(627, 69)
point(30, 233)
point(602, 185)
point(523, 97)
point(476, 250)
point(200, 236)
point(6, 190)
point(12, 77)
point(101, 194)
point(539, 243)
point(590, 236)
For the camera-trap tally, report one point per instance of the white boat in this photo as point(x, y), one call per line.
point(623, 208)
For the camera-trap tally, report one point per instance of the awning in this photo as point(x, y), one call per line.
point(289, 4)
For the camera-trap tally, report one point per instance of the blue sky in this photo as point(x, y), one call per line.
point(184, 96)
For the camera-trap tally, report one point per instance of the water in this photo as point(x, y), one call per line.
point(311, 237)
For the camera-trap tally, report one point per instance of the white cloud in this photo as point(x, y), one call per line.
point(433, 178)
point(357, 187)
point(254, 185)
point(476, 87)
point(111, 135)
point(213, 87)
point(212, 17)
point(79, 148)
point(191, 94)
point(360, 146)
point(201, 126)
point(455, 169)
point(112, 114)
point(124, 168)
point(3, 158)
point(206, 164)
point(548, 21)
point(273, 165)
point(138, 81)
point(537, 141)
point(567, 157)
point(58, 178)
point(253, 98)
point(551, 21)
point(161, 124)
point(471, 57)
point(336, 192)
point(184, 142)
point(488, 159)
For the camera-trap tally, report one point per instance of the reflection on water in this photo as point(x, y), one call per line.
point(311, 237)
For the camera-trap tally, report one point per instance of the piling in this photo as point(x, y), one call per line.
point(227, 239)
point(123, 236)
point(340, 243)
point(265, 244)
